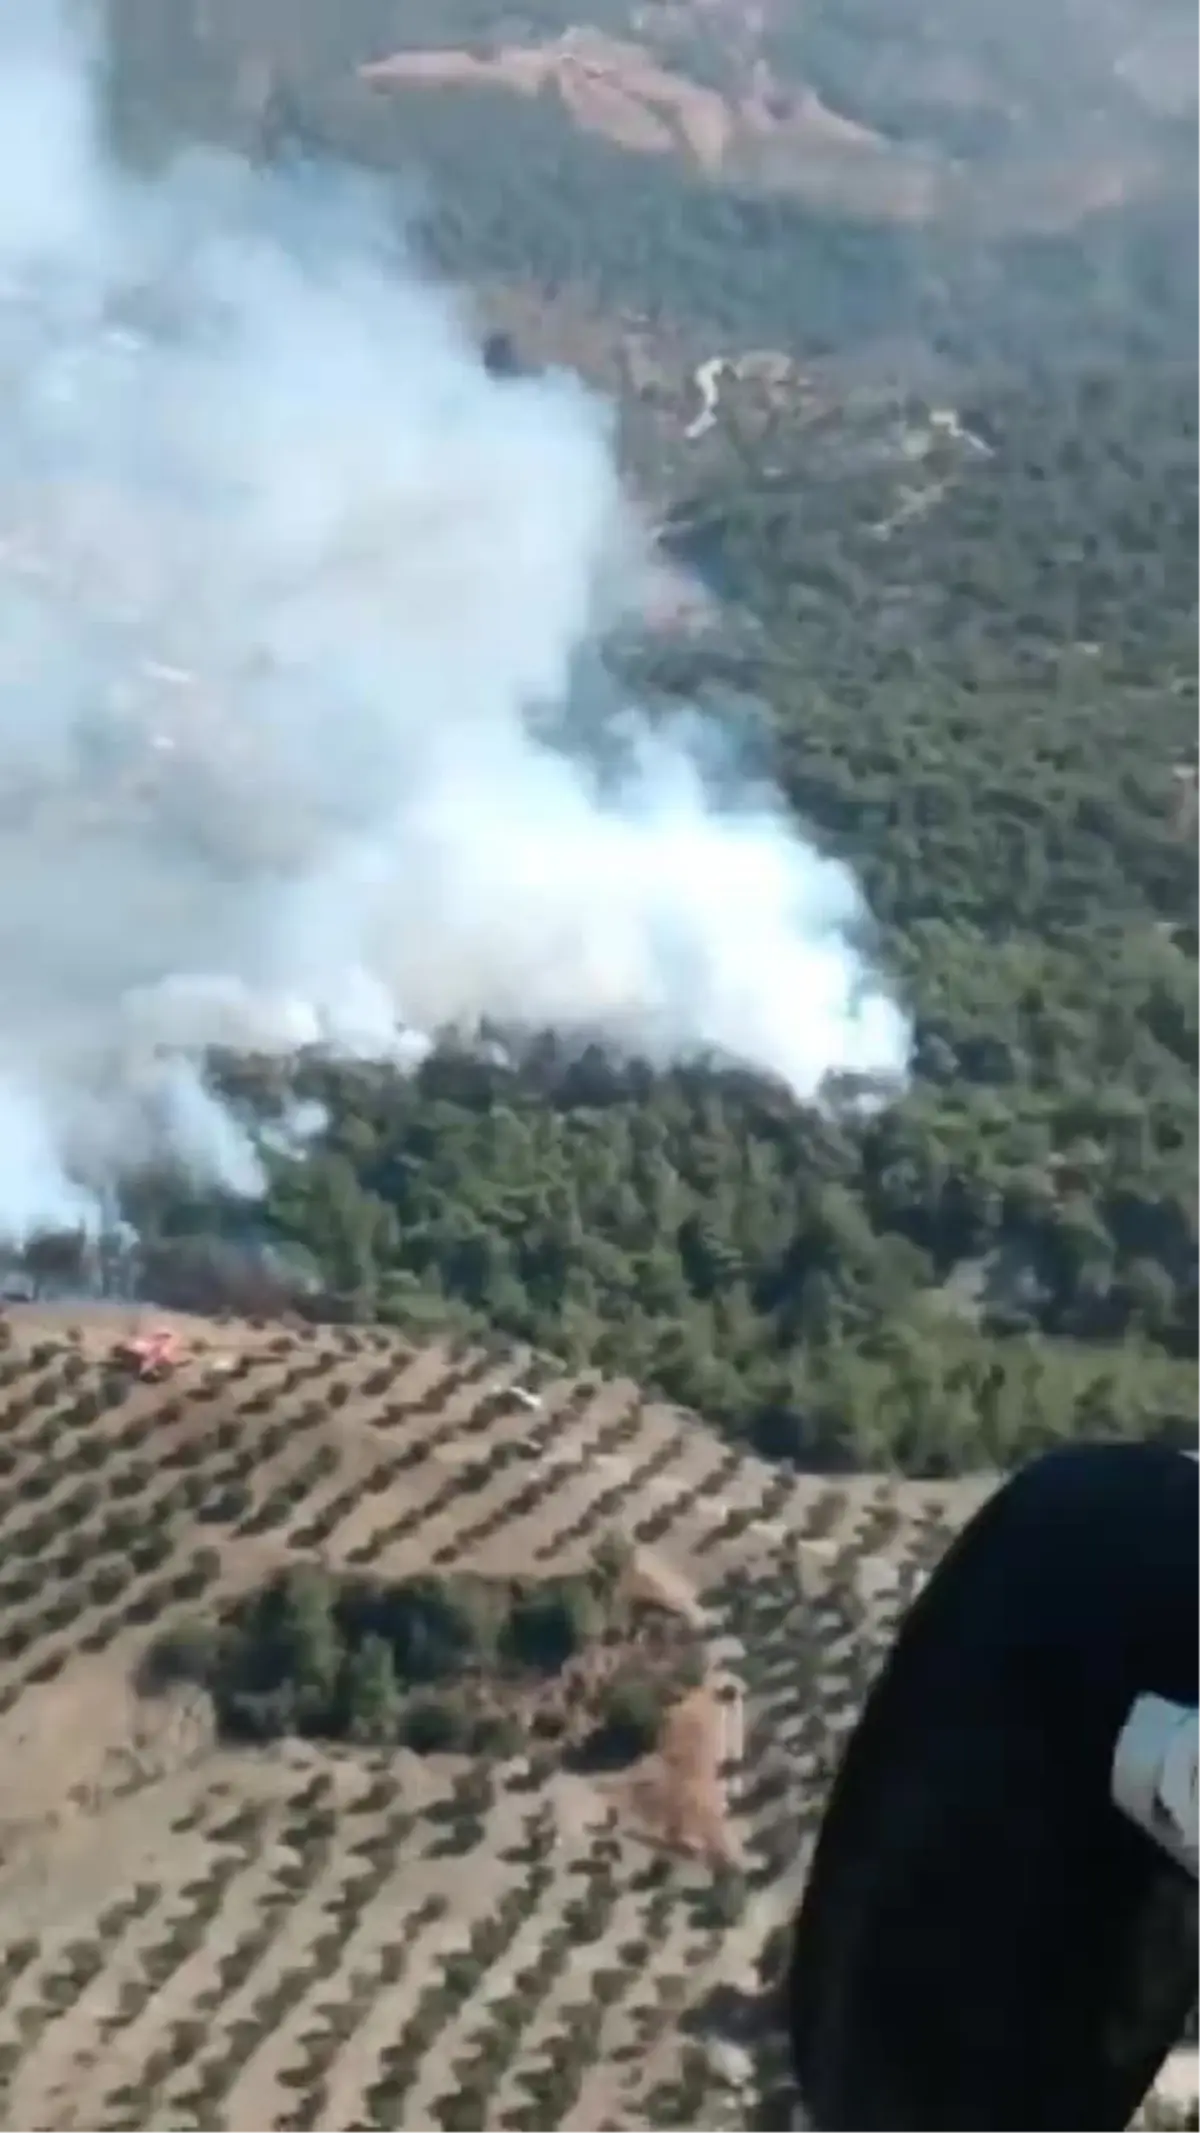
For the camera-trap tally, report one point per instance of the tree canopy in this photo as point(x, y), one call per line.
point(1007, 1253)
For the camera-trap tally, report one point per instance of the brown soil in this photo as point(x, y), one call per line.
point(617, 88)
point(678, 1794)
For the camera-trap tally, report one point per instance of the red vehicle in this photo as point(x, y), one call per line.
point(151, 1355)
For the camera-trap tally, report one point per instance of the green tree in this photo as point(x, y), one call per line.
point(550, 1623)
point(632, 1710)
point(434, 1725)
point(308, 1645)
point(370, 1693)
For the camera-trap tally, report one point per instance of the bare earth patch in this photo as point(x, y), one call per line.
point(777, 134)
point(678, 1795)
point(616, 87)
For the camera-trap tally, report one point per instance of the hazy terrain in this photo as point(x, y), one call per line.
point(664, 918)
point(1007, 185)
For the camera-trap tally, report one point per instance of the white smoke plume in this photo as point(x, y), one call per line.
point(286, 582)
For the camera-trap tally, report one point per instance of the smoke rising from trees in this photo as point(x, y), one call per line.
point(287, 582)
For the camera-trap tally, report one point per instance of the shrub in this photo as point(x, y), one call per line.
point(434, 1725)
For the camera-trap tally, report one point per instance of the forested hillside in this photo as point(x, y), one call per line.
point(972, 637)
point(988, 708)
point(1060, 214)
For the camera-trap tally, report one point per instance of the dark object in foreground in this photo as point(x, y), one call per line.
point(985, 1941)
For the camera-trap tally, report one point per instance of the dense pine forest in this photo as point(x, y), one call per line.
point(989, 710)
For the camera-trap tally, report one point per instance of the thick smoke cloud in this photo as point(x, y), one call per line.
point(287, 583)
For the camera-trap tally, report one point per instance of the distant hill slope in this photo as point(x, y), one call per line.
point(837, 173)
point(890, 111)
point(784, 138)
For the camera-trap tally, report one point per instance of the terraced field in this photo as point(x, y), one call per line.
point(195, 1934)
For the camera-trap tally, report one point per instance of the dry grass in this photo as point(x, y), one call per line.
point(296, 1936)
point(678, 1794)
